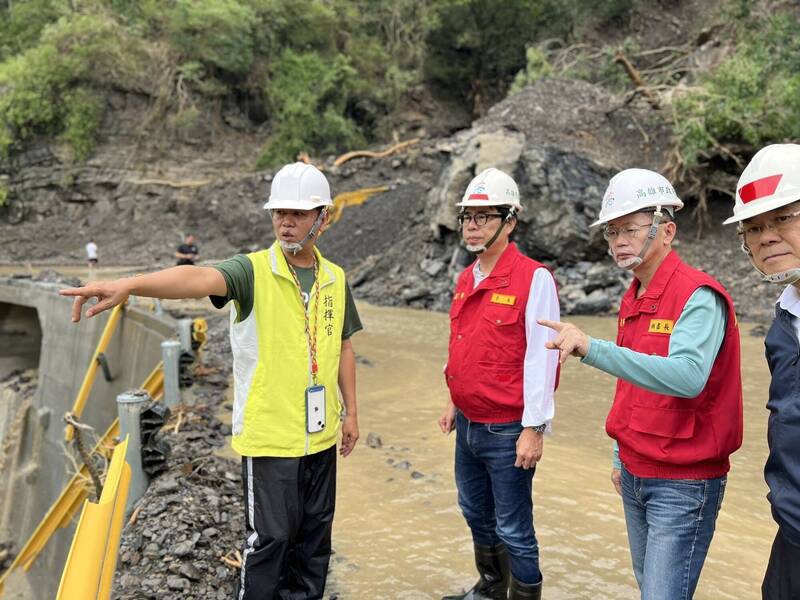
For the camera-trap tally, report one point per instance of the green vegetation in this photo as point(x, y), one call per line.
point(752, 98)
point(55, 86)
point(325, 76)
point(308, 96)
point(318, 76)
point(749, 99)
point(537, 67)
point(476, 47)
point(214, 33)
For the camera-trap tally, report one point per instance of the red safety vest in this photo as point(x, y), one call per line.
point(488, 342)
point(667, 436)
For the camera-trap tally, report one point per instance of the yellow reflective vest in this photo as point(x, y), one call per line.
point(272, 362)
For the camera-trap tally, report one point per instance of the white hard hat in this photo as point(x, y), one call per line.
point(299, 186)
point(634, 190)
point(492, 187)
point(771, 180)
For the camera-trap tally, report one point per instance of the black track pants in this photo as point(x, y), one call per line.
point(289, 504)
point(782, 579)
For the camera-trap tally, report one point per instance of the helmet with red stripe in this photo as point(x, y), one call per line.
point(492, 187)
point(770, 181)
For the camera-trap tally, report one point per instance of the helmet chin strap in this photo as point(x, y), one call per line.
point(629, 264)
point(783, 277)
point(295, 247)
point(483, 247)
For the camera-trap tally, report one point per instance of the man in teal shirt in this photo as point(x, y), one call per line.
point(677, 410)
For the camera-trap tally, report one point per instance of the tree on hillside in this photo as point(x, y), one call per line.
point(477, 46)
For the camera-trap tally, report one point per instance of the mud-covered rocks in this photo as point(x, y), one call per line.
point(183, 534)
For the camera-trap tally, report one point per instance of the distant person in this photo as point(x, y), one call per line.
point(767, 211)
point(501, 381)
point(91, 254)
point(187, 252)
point(677, 412)
point(292, 319)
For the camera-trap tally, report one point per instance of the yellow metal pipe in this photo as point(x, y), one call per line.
point(64, 508)
point(91, 371)
point(352, 199)
point(89, 569)
point(60, 513)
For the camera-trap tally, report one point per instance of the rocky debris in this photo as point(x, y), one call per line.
point(52, 276)
point(193, 515)
point(22, 382)
point(400, 463)
point(7, 555)
point(374, 440)
point(188, 528)
point(590, 288)
point(45, 278)
point(718, 252)
point(363, 360)
point(583, 119)
point(561, 140)
point(17, 391)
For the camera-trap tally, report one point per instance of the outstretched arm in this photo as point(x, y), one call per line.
point(693, 347)
point(173, 283)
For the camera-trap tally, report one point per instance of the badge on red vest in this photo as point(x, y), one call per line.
point(664, 326)
point(503, 299)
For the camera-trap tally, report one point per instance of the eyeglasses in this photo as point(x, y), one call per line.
point(779, 224)
point(630, 232)
point(480, 219)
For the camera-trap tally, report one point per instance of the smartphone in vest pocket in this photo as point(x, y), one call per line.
point(315, 408)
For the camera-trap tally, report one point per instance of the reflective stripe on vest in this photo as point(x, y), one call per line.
point(271, 364)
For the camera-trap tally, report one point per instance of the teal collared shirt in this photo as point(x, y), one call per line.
point(693, 347)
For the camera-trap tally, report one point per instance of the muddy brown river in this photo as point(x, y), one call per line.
point(400, 537)
point(398, 533)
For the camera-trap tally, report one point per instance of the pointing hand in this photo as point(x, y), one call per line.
point(108, 294)
point(570, 340)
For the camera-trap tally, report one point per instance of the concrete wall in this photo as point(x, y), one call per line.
point(20, 338)
point(31, 314)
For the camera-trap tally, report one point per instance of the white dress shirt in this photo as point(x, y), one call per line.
point(541, 364)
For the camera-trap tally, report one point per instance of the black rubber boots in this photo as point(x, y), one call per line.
point(524, 591)
point(492, 565)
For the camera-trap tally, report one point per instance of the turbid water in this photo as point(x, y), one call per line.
point(401, 537)
point(398, 533)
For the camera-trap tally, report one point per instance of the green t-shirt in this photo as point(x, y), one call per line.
point(239, 278)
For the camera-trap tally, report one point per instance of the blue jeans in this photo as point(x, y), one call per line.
point(670, 525)
point(494, 495)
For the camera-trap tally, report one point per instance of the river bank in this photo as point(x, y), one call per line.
point(398, 533)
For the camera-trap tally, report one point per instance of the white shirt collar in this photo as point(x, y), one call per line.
point(790, 300)
point(477, 274)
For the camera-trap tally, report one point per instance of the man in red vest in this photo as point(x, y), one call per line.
point(501, 380)
point(677, 412)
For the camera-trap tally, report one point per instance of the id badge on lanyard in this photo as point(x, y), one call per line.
point(315, 394)
point(315, 408)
